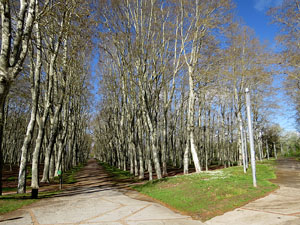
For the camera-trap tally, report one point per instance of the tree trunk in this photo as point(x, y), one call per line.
point(36, 152)
point(242, 141)
point(4, 89)
point(149, 160)
point(186, 158)
point(164, 144)
point(61, 141)
point(139, 146)
point(49, 149)
point(131, 159)
point(25, 147)
point(190, 127)
point(52, 163)
point(153, 136)
point(59, 156)
point(275, 151)
point(35, 76)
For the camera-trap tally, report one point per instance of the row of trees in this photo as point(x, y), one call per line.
point(44, 88)
point(173, 76)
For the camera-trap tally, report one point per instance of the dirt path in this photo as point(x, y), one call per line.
point(280, 207)
point(288, 173)
point(95, 199)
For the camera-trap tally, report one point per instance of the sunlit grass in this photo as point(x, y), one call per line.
point(208, 194)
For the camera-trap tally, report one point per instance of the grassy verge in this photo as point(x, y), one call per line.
point(8, 204)
point(208, 194)
point(116, 173)
point(13, 202)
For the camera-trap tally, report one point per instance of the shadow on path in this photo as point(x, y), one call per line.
point(91, 179)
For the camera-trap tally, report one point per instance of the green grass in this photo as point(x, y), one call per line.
point(9, 189)
point(8, 205)
point(12, 179)
point(209, 194)
point(13, 202)
point(295, 153)
point(116, 173)
point(272, 162)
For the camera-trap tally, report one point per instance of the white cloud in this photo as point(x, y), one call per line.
point(262, 5)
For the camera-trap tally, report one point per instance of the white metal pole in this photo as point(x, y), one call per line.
point(251, 136)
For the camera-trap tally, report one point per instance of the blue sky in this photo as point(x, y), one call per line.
point(253, 14)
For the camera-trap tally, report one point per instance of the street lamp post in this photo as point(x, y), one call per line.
point(248, 104)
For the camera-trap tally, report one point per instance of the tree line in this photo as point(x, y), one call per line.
point(172, 81)
point(173, 77)
point(46, 50)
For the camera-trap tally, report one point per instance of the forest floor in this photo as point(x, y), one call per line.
point(97, 199)
point(10, 179)
point(11, 201)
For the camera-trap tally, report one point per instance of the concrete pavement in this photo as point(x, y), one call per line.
point(280, 207)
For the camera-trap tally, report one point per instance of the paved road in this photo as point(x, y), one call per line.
point(96, 200)
point(281, 207)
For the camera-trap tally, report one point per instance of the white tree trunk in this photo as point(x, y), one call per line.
point(190, 126)
point(30, 128)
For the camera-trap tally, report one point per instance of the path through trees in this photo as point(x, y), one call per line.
point(170, 79)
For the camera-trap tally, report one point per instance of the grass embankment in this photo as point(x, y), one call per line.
point(208, 194)
point(13, 202)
